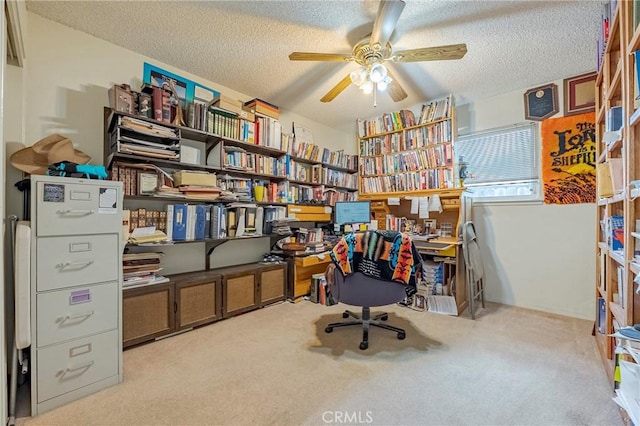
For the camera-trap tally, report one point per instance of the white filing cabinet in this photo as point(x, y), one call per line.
point(76, 289)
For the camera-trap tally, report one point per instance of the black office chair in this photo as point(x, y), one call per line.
point(358, 289)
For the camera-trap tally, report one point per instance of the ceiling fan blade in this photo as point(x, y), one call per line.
point(310, 56)
point(337, 89)
point(388, 15)
point(395, 90)
point(437, 53)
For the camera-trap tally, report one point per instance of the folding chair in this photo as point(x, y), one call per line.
point(474, 267)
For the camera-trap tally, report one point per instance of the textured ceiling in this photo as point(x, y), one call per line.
point(245, 45)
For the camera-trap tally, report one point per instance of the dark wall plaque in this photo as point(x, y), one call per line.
point(541, 102)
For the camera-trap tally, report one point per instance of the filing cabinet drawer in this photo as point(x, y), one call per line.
point(69, 366)
point(80, 260)
point(72, 313)
point(80, 208)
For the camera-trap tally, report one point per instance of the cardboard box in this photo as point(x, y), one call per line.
point(227, 103)
point(262, 107)
point(185, 177)
point(609, 177)
point(247, 114)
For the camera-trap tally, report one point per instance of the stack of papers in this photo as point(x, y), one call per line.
point(442, 305)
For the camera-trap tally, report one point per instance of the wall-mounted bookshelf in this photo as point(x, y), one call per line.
point(399, 152)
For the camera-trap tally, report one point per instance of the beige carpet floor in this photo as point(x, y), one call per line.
point(277, 366)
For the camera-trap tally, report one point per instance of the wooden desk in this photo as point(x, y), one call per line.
point(301, 269)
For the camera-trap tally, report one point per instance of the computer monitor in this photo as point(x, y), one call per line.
point(350, 212)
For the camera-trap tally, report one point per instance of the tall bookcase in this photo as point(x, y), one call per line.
point(402, 154)
point(618, 164)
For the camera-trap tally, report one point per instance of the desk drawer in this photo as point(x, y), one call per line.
point(312, 260)
point(72, 365)
point(70, 261)
point(72, 313)
point(78, 208)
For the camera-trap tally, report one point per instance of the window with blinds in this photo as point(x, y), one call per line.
point(501, 164)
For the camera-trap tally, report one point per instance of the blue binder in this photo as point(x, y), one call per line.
point(180, 222)
point(201, 221)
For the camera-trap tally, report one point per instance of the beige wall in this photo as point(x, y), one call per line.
point(68, 75)
point(536, 256)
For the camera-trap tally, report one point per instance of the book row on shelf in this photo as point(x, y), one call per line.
point(410, 181)
point(197, 222)
point(412, 139)
point(608, 12)
point(399, 120)
point(435, 156)
point(239, 159)
point(139, 136)
point(141, 179)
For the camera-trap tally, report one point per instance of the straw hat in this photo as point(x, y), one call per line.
point(50, 150)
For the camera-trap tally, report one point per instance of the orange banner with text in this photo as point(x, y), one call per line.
point(569, 159)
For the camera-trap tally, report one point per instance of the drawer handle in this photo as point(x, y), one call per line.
point(63, 265)
point(75, 317)
point(84, 366)
point(76, 212)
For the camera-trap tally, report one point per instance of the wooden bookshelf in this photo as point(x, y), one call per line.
point(400, 153)
point(616, 86)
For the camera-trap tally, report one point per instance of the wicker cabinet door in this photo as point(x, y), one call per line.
point(198, 304)
point(240, 293)
point(272, 285)
point(147, 313)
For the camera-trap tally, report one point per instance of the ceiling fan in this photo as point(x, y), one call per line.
point(372, 51)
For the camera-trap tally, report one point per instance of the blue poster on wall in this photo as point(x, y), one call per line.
point(187, 90)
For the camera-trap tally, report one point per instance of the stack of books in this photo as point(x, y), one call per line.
point(141, 269)
point(262, 107)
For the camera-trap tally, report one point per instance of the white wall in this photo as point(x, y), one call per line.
point(537, 256)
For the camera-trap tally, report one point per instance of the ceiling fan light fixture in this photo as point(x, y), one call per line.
point(367, 87)
point(377, 72)
point(359, 76)
point(384, 83)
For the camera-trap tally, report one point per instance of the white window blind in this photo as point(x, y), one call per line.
point(501, 163)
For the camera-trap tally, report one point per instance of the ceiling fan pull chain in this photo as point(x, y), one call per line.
point(375, 94)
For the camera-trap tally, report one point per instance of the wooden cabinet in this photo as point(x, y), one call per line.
point(247, 287)
point(240, 293)
point(272, 285)
point(194, 299)
point(147, 313)
point(198, 300)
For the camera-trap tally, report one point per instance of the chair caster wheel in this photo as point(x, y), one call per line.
point(328, 329)
point(401, 336)
point(364, 345)
point(384, 318)
point(345, 315)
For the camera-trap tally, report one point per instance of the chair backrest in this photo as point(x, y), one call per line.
point(375, 268)
point(471, 250)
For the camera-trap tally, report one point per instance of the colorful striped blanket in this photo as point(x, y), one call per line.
point(386, 255)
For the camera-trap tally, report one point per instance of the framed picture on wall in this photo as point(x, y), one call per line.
point(580, 94)
point(541, 102)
